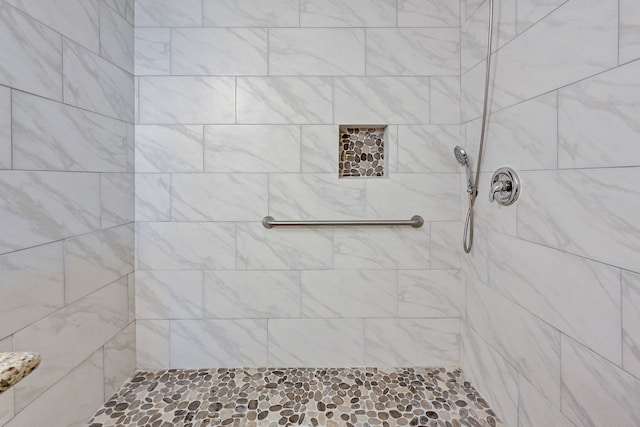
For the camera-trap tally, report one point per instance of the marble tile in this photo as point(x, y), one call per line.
point(548, 283)
point(388, 248)
point(224, 343)
point(186, 100)
point(117, 193)
point(629, 26)
point(412, 342)
point(594, 391)
point(130, 12)
point(316, 51)
point(95, 84)
point(281, 100)
point(119, 359)
point(176, 148)
point(602, 108)
point(152, 52)
point(593, 222)
point(312, 196)
point(631, 322)
point(445, 100)
point(116, 38)
point(169, 294)
point(48, 135)
point(446, 245)
point(430, 13)
point(318, 148)
point(354, 13)
point(488, 216)
point(5, 128)
point(153, 197)
point(492, 374)
point(78, 21)
point(6, 406)
point(247, 13)
point(475, 264)
point(474, 32)
point(83, 386)
point(535, 410)
point(521, 75)
point(381, 100)
point(524, 136)
point(131, 136)
point(413, 51)
point(470, 7)
point(97, 259)
point(251, 294)
point(430, 293)
point(531, 11)
point(118, 6)
point(427, 148)
point(349, 293)
point(131, 292)
point(433, 196)
point(30, 200)
point(68, 336)
point(316, 342)
point(219, 51)
point(32, 284)
point(186, 246)
point(38, 69)
point(152, 344)
point(168, 13)
point(283, 249)
point(254, 148)
point(526, 342)
point(219, 197)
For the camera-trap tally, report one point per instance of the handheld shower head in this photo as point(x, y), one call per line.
point(461, 157)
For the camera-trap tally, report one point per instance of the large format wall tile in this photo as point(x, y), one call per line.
point(48, 135)
point(599, 221)
point(349, 293)
point(46, 206)
point(119, 359)
point(37, 69)
point(426, 148)
point(116, 38)
point(186, 100)
point(164, 13)
point(629, 30)
point(445, 100)
point(76, 20)
point(185, 246)
point(176, 148)
point(248, 13)
point(430, 293)
point(631, 322)
point(32, 284)
point(97, 259)
point(413, 51)
point(169, 294)
point(95, 84)
point(252, 148)
point(218, 197)
point(596, 392)
point(598, 120)
point(221, 343)
point(217, 51)
point(429, 13)
point(282, 100)
point(535, 410)
point(531, 11)
point(70, 335)
point(316, 342)
point(579, 297)
point(5, 128)
point(412, 342)
point(117, 193)
point(152, 344)
point(152, 51)
point(319, 148)
point(153, 197)
point(354, 13)
point(251, 294)
point(316, 51)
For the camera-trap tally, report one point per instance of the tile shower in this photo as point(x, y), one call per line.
point(236, 115)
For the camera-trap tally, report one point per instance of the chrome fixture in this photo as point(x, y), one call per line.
point(472, 186)
point(505, 187)
point(416, 221)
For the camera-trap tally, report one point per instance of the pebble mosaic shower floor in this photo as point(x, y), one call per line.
point(307, 397)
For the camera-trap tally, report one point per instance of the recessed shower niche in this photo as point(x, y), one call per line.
point(361, 150)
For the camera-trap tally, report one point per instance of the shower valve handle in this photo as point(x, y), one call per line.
point(499, 187)
point(505, 187)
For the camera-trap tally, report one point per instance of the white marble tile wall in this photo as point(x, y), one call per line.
point(67, 241)
point(561, 266)
point(239, 105)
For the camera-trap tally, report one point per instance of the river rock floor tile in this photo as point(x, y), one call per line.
point(257, 397)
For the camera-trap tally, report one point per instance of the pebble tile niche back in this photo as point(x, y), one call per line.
point(361, 150)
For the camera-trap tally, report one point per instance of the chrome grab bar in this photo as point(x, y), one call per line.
point(416, 221)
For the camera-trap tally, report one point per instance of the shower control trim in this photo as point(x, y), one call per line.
point(505, 187)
